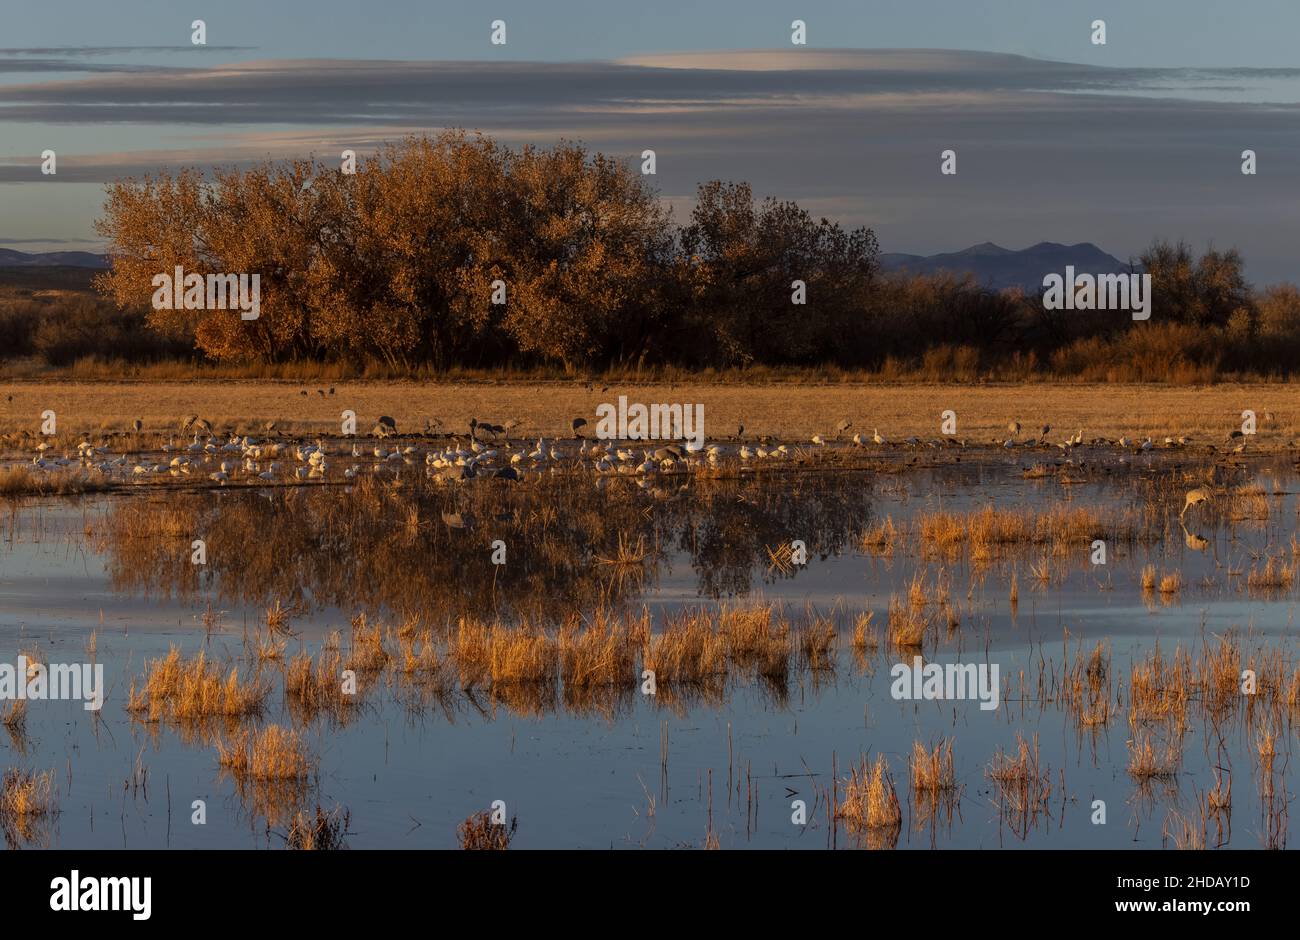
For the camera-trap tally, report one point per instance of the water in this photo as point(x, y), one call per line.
point(637, 770)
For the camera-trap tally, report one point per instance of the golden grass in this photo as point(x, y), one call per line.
point(1171, 583)
point(489, 655)
point(366, 649)
point(866, 637)
point(788, 409)
point(818, 644)
point(870, 799)
point(273, 753)
point(193, 690)
point(1276, 575)
point(315, 686)
point(319, 830)
point(989, 532)
point(917, 595)
point(277, 618)
point(932, 770)
point(520, 656)
point(1217, 676)
point(689, 650)
point(1022, 785)
point(19, 481)
point(1147, 761)
point(1266, 748)
point(421, 661)
point(757, 638)
point(880, 538)
point(268, 649)
point(1185, 833)
point(907, 626)
point(1086, 687)
point(479, 833)
point(25, 794)
point(15, 719)
point(1248, 502)
point(1160, 689)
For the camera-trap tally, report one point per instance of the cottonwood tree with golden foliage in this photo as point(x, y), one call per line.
point(397, 261)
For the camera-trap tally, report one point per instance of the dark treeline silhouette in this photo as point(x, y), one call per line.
point(398, 265)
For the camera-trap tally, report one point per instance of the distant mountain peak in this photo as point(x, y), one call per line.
point(985, 248)
point(999, 268)
point(12, 258)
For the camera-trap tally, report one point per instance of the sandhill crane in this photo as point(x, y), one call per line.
point(1014, 428)
point(843, 426)
point(1193, 541)
point(859, 441)
point(875, 436)
point(818, 440)
point(1195, 497)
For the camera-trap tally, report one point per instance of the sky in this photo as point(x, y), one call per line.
point(1057, 138)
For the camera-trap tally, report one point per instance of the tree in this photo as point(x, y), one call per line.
point(745, 260)
point(1204, 292)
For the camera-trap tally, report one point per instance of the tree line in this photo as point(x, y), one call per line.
point(407, 260)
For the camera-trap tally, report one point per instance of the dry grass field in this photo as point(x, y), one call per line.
point(786, 411)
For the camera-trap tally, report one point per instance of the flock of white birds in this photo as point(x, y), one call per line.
point(243, 458)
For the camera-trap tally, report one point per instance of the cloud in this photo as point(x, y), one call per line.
point(42, 241)
point(71, 59)
point(1046, 150)
point(351, 91)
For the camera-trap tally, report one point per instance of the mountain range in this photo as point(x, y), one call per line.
point(989, 264)
point(11, 258)
point(999, 268)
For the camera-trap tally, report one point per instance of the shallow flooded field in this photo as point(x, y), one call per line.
point(498, 637)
